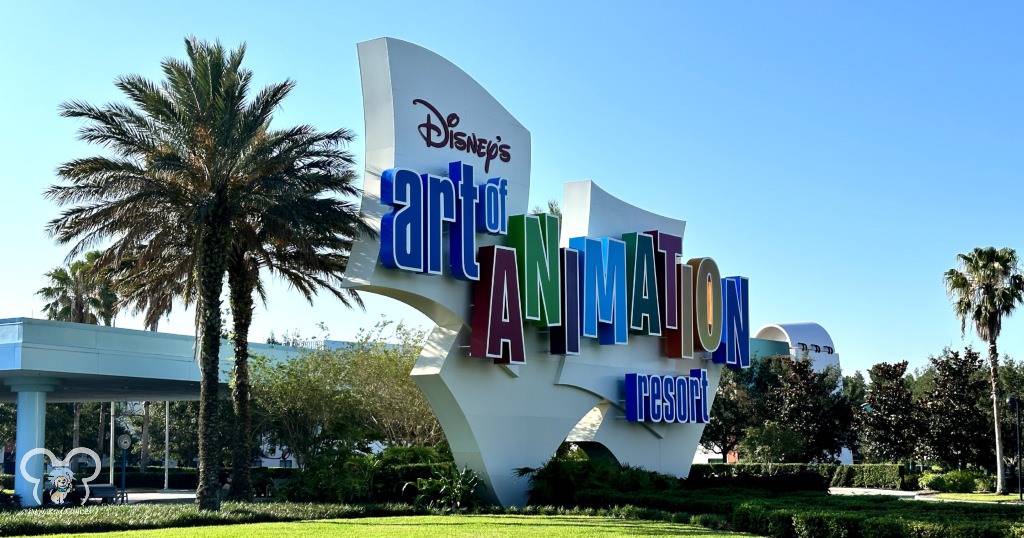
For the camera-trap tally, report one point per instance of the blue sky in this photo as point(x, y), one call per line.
point(839, 155)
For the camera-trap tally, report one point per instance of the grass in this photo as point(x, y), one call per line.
point(978, 497)
point(416, 526)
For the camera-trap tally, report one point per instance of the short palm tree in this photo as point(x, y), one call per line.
point(197, 178)
point(986, 288)
point(79, 293)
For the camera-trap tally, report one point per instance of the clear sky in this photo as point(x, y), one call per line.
point(839, 154)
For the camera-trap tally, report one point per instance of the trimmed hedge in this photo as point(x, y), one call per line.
point(814, 515)
point(875, 476)
point(90, 519)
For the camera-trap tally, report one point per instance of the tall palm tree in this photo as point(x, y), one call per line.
point(302, 236)
point(195, 166)
point(986, 288)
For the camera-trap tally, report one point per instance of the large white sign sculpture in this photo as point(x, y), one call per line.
point(624, 339)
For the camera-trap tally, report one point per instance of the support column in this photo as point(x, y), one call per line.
point(31, 434)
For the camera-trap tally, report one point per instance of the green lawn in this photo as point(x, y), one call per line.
point(980, 497)
point(416, 526)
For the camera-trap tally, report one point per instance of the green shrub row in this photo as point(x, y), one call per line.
point(108, 518)
point(816, 515)
point(797, 515)
point(879, 476)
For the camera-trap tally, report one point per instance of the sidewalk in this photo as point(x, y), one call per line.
point(870, 491)
point(152, 496)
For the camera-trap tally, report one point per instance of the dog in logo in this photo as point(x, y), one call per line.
point(63, 484)
point(61, 474)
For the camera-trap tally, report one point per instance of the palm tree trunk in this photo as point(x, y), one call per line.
point(76, 431)
point(144, 449)
point(99, 437)
point(211, 279)
point(241, 287)
point(993, 364)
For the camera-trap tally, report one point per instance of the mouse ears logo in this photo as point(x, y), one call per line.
point(60, 473)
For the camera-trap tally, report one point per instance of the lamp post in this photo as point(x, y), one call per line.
point(1016, 403)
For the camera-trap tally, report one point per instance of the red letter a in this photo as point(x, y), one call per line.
point(497, 318)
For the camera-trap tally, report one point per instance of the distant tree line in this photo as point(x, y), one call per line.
point(783, 411)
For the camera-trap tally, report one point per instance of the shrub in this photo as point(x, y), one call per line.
point(883, 527)
point(985, 484)
point(6, 481)
point(451, 492)
point(959, 481)
point(826, 524)
point(324, 478)
point(390, 485)
point(933, 481)
point(9, 502)
point(911, 481)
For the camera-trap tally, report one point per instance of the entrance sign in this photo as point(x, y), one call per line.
point(592, 328)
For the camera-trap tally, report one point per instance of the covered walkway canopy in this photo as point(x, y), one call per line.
point(53, 362)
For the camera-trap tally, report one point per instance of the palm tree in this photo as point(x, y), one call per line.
point(300, 235)
point(985, 288)
point(196, 177)
point(79, 294)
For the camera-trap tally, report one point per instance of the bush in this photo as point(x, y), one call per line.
point(985, 484)
point(934, 481)
point(883, 527)
point(825, 524)
point(452, 492)
point(323, 479)
point(6, 481)
point(390, 485)
point(911, 481)
point(878, 476)
point(959, 481)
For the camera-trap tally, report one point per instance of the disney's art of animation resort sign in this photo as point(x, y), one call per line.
point(603, 332)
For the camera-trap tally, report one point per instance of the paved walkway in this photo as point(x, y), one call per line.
point(870, 491)
point(161, 496)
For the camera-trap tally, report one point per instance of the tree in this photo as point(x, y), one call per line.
point(270, 205)
point(785, 393)
point(855, 390)
point(304, 403)
point(297, 232)
point(187, 156)
point(79, 293)
point(986, 288)
point(551, 208)
point(385, 399)
point(953, 430)
point(772, 443)
point(814, 408)
point(887, 422)
point(732, 414)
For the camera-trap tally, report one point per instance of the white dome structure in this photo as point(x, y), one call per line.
point(803, 338)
